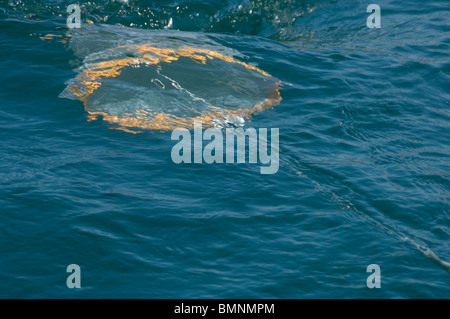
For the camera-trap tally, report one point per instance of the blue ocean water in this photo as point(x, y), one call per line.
point(364, 126)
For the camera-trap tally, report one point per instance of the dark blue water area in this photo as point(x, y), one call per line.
point(364, 127)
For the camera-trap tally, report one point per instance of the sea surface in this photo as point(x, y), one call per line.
point(364, 149)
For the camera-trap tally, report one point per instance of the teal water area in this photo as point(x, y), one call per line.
point(364, 126)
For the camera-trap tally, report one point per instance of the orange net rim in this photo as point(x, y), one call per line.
point(89, 81)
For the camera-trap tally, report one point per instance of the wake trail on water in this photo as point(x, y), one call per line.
point(346, 208)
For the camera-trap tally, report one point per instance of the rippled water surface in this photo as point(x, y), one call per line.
point(85, 155)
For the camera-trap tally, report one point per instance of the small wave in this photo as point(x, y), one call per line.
point(267, 18)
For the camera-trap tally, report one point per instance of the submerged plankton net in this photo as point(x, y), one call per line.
point(148, 87)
